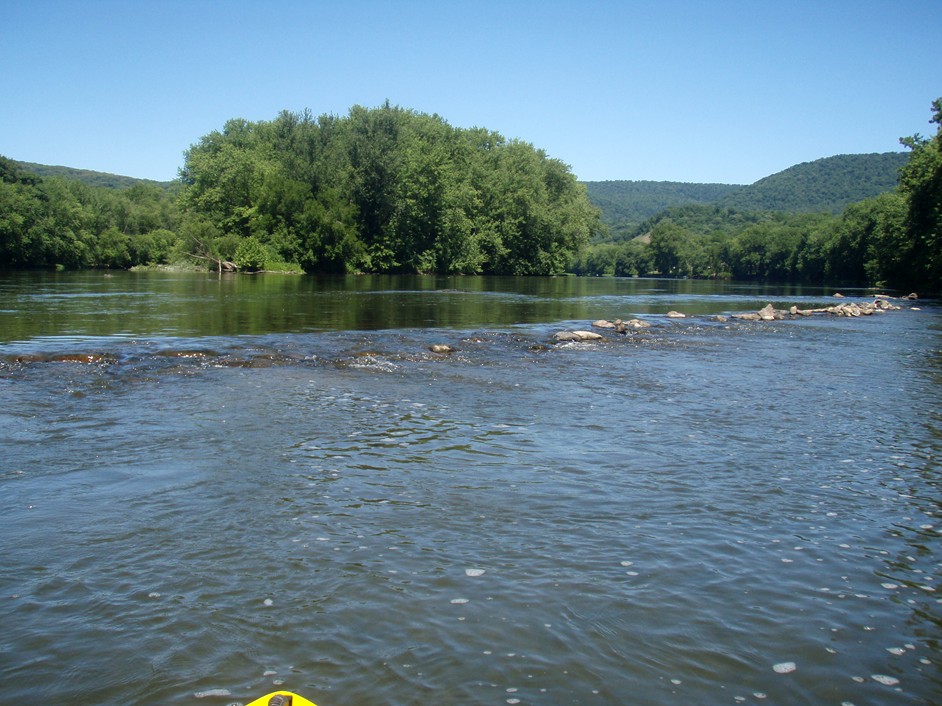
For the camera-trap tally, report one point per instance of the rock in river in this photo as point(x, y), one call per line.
point(566, 336)
point(441, 348)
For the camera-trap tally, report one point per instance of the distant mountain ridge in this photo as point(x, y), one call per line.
point(824, 185)
point(88, 176)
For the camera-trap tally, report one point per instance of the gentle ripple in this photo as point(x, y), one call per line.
point(708, 514)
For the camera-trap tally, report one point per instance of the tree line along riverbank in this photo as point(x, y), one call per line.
point(389, 190)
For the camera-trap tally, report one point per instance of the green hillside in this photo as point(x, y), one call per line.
point(87, 176)
point(824, 185)
point(635, 201)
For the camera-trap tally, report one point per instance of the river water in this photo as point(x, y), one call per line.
point(213, 488)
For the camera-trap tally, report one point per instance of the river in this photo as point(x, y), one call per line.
point(215, 487)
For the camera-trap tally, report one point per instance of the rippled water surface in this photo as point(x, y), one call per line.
point(213, 488)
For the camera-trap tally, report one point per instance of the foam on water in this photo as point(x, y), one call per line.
point(211, 693)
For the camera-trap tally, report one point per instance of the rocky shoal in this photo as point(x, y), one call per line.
point(878, 305)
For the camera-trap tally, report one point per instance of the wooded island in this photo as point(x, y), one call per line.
point(395, 191)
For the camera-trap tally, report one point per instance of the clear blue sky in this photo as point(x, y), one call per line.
point(700, 91)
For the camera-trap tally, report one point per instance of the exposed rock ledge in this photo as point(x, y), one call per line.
point(880, 304)
point(770, 313)
point(570, 336)
point(620, 326)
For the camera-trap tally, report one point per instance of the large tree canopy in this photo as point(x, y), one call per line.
point(386, 190)
point(921, 185)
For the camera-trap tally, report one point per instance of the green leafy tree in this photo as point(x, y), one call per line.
point(250, 255)
point(889, 248)
point(22, 206)
point(386, 190)
point(672, 249)
point(328, 240)
point(155, 247)
point(375, 163)
point(112, 249)
point(60, 221)
point(921, 186)
point(634, 259)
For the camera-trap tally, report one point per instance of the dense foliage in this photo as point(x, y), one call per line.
point(921, 186)
point(391, 190)
point(625, 204)
point(824, 185)
point(865, 244)
point(383, 190)
point(63, 222)
point(90, 177)
point(891, 239)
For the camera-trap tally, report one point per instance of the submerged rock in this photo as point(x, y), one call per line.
point(82, 358)
point(442, 348)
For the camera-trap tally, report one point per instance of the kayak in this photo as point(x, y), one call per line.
point(281, 698)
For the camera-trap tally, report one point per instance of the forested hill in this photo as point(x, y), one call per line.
point(825, 185)
point(92, 178)
point(635, 201)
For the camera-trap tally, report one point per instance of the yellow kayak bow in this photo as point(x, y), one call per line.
point(281, 698)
